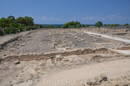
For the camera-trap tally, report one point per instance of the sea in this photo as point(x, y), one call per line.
point(63, 24)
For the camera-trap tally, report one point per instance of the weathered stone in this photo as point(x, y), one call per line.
point(59, 63)
point(91, 82)
point(1, 47)
point(99, 35)
point(5, 55)
point(104, 77)
point(23, 44)
point(96, 55)
point(0, 60)
point(58, 57)
point(98, 79)
point(67, 48)
point(65, 59)
point(49, 63)
point(16, 62)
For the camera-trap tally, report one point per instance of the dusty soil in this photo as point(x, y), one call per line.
point(121, 33)
point(42, 56)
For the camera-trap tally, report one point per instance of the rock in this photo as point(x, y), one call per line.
point(23, 44)
point(58, 57)
point(16, 62)
point(96, 55)
point(99, 36)
point(42, 63)
point(0, 60)
point(67, 48)
point(98, 79)
point(91, 82)
point(5, 55)
point(59, 63)
point(49, 63)
point(103, 77)
point(65, 59)
point(1, 47)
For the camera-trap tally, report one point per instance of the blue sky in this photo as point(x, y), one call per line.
point(62, 11)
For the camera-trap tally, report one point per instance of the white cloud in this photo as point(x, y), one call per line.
point(114, 16)
point(50, 18)
point(44, 18)
point(57, 19)
point(109, 17)
point(88, 18)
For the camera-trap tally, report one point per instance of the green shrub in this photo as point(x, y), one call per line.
point(28, 28)
point(87, 25)
point(33, 27)
point(72, 24)
point(58, 26)
point(38, 25)
point(1, 32)
point(82, 25)
point(127, 25)
point(98, 24)
point(19, 29)
point(49, 26)
point(10, 30)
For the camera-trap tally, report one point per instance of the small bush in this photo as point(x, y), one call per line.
point(87, 25)
point(33, 27)
point(1, 32)
point(38, 25)
point(72, 24)
point(82, 25)
point(98, 24)
point(49, 26)
point(58, 26)
point(10, 30)
point(28, 28)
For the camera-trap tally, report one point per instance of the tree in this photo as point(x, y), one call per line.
point(127, 25)
point(82, 25)
point(112, 25)
point(28, 21)
point(4, 22)
point(1, 32)
point(11, 18)
point(49, 26)
point(87, 25)
point(72, 24)
point(14, 25)
point(105, 24)
point(98, 24)
point(58, 26)
point(20, 20)
point(38, 25)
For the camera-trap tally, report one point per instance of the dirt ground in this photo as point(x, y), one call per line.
point(44, 56)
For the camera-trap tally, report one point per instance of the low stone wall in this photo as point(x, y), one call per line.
point(11, 39)
point(49, 55)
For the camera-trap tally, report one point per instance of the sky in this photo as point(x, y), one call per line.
point(62, 11)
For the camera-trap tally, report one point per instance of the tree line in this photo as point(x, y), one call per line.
point(12, 25)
